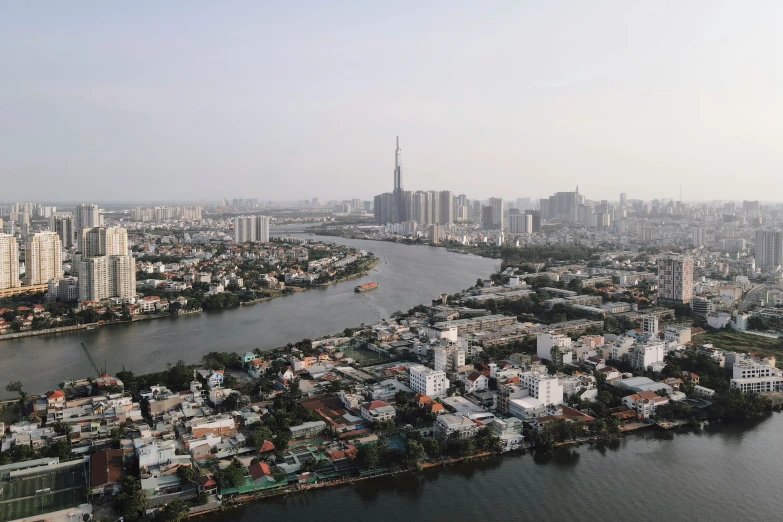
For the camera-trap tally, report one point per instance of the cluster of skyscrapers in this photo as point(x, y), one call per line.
point(432, 207)
point(100, 260)
point(166, 213)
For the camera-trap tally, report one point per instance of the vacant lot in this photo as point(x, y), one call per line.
point(743, 342)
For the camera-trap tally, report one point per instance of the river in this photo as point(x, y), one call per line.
point(406, 276)
point(722, 473)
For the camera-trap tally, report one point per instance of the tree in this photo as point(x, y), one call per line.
point(131, 499)
point(479, 283)
point(187, 474)
point(16, 386)
point(401, 398)
point(431, 447)
point(175, 511)
point(232, 476)
point(369, 455)
point(414, 452)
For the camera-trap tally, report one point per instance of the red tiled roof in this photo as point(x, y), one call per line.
point(56, 394)
point(266, 446)
point(258, 470)
point(207, 481)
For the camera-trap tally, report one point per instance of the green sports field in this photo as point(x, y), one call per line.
point(29, 497)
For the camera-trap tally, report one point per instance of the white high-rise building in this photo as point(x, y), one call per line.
point(99, 241)
point(675, 279)
point(9, 262)
point(448, 358)
point(699, 236)
point(87, 216)
point(428, 381)
point(244, 229)
point(262, 229)
point(122, 277)
point(43, 258)
point(93, 275)
point(116, 241)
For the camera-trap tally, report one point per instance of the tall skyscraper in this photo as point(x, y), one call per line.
point(675, 279)
point(100, 241)
point(446, 207)
point(9, 262)
point(87, 216)
point(93, 275)
point(244, 229)
point(122, 276)
point(769, 248)
point(43, 258)
point(398, 201)
point(65, 229)
point(497, 212)
point(698, 236)
point(262, 229)
point(104, 267)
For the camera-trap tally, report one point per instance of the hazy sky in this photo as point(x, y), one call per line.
point(288, 100)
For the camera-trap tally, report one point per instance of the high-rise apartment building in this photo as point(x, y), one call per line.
point(122, 276)
point(43, 258)
point(251, 229)
point(769, 248)
point(9, 262)
point(64, 226)
point(244, 229)
point(100, 241)
point(698, 236)
point(675, 279)
point(446, 207)
point(498, 220)
point(93, 273)
point(87, 216)
point(262, 229)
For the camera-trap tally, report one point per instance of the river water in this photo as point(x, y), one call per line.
point(722, 473)
point(406, 276)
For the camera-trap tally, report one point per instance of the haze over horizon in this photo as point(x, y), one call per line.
point(149, 102)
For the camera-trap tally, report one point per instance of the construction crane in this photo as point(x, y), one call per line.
point(92, 361)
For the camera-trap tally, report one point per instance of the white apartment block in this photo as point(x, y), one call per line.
point(251, 229)
point(93, 273)
point(100, 241)
point(645, 355)
point(545, 388)
point(9, 262)
point(428, 381)
point(675, 278)
point(122, 276)
point(546, 341)
point(448, 358)
point(87, 216)
point(754, 376)
point(448, 425)
point(43, 258)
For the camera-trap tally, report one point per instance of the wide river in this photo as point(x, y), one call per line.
point(722, 473)
point(406, 276)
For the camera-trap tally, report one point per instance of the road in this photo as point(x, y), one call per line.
point(751, 298)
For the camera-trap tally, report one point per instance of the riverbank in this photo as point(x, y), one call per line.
point(93, 326)
point(364, 272)
point(370, 475)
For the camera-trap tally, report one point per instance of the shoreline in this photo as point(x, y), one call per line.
point(92, 326)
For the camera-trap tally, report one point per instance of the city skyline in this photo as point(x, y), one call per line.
point(248, 98)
